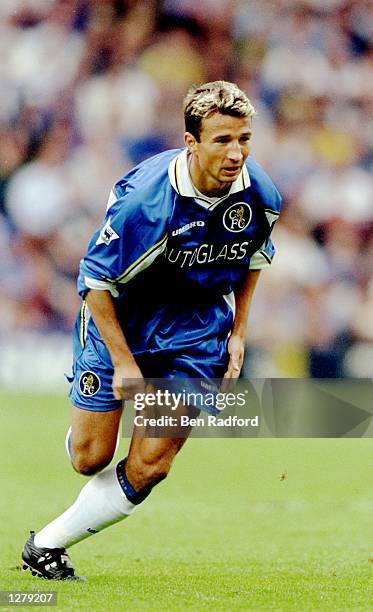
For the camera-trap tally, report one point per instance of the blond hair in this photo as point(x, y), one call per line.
point(214, 97)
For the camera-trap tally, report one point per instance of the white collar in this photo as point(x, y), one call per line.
point(179, 176)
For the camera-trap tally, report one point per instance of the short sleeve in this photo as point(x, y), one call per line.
point(130, 238)
point(262, 258)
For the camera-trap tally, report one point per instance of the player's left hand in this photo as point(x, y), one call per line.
point(236, 351)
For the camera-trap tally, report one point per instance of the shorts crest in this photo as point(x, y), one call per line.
point(89, 383)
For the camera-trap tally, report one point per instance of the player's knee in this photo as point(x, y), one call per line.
point(88, 461)
point(88, 466)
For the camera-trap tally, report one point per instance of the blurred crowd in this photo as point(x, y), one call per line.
point(88, 88)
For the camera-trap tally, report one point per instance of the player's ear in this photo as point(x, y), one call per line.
point(190, 141)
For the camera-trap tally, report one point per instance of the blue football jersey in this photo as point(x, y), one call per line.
point(164, 248)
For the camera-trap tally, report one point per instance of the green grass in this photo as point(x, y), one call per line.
point(224, 532)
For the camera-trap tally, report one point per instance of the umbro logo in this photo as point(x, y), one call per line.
point(185, 228)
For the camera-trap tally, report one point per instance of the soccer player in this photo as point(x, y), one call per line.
point(166, 284)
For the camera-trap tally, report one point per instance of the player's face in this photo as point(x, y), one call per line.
point(218, 157)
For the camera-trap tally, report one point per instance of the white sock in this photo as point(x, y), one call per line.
point(100, 503)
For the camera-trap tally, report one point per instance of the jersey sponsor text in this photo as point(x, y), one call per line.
point(208, 253)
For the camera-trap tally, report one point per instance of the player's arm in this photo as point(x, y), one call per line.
point(127, 378)
point(236, 344)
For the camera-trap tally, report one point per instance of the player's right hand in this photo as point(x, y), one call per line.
point(127, 381)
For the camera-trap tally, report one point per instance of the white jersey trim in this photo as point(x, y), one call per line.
point(178, 173)
point(93, 283)
point(259, 260)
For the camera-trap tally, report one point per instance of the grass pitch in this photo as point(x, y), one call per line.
point(250, 524)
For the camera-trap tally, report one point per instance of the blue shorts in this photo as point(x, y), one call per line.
point(91, 387)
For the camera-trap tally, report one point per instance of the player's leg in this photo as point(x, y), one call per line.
point(113, 494)
point(95, 423)
point(96, 413)
point(93, 439)
point(149, 461)
point(107, 498)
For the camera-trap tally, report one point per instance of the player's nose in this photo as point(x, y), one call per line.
point(234, 152)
